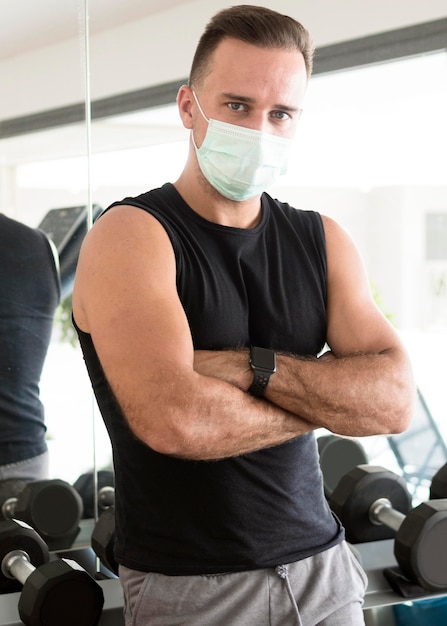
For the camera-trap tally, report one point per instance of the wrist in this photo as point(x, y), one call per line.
point(263, 365)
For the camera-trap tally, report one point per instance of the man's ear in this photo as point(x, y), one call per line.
point(185, 99)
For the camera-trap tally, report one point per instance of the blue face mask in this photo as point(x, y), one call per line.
point(240, 162)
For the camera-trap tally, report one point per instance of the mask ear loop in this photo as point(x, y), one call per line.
point(203, 115)
point(198, 104)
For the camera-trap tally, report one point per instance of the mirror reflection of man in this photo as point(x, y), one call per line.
point(29, 296)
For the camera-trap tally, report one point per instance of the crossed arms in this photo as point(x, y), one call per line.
point(194, 404)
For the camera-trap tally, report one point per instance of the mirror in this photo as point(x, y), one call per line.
point(44, 184)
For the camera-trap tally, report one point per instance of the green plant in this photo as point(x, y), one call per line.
point(62, 320)
point(380, 302)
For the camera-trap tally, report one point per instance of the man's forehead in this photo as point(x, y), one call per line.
point(237, 68)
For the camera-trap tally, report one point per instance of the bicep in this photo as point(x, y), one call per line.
point(125, 296)
point(354, 322)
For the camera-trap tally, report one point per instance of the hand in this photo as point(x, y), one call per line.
point(231, 366)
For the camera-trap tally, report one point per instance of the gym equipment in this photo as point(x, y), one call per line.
point(103, 539)
point(67, 227)
point(374, 503)
point(420, 450)
point(53, 593)
point(52, 507)
point(104, 485)
point(103, 535)
point(338, 455)
point(438, 487)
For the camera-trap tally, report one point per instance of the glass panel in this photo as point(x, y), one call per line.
point(43, 183)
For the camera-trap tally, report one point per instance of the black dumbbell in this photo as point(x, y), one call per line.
point(52, 507)
point(103, 535)
point(103, 484)
point(52, 592)
point(374, 503)
point(103, 539)
point(338, 455)
point(438, 487)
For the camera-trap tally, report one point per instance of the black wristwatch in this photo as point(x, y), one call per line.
point(263, 364)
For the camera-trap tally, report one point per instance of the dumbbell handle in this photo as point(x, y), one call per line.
point(381, 512)
point(17, 564)
point(106, 497)
point(9, 508)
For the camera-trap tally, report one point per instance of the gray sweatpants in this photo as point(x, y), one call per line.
point(35, 468)
point(323, 590)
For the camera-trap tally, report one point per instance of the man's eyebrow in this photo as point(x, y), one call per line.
point(248, 100)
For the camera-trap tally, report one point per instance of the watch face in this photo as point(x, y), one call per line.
point(263, 358)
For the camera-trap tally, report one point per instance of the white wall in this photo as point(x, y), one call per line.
point(159, 48)
point(398, 255)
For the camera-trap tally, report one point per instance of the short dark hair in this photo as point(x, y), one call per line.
point(255, 25)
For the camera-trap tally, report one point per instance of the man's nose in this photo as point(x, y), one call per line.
point(259, 121)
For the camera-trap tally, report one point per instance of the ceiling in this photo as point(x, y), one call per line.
point(29, 24)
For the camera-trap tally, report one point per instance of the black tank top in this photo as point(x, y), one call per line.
point(264, 286)
point(29, 295)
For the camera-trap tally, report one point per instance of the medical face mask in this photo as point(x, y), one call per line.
point(240, 162)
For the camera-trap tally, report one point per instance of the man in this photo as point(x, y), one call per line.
point(29, 296)
point(183, 299)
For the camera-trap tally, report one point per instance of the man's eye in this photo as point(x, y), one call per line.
point(280, 115)
point(236, 106)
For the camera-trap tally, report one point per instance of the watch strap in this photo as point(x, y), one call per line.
point(263, 365)
point(259, 384)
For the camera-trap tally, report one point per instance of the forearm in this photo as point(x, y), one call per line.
point(202, 416)
point(207, 418)
point(356, 395)
point(224, 421)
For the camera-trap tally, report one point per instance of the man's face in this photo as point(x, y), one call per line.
point(259, 88)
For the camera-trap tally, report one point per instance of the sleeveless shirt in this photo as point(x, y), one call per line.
point(29, 295)
point(264, 286)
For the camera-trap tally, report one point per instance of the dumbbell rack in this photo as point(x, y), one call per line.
point(375, 557)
